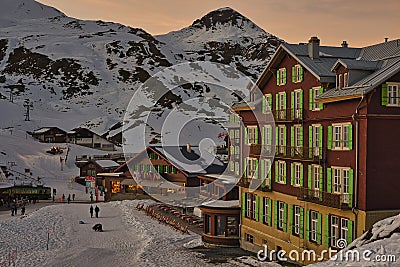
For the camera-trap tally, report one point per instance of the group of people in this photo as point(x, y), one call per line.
point(96, 210)
point(14, 210)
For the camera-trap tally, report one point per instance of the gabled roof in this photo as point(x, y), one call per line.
point(353, 64)
point(46, 129)
point(107, 163)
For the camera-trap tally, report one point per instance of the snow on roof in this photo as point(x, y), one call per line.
point(222, 204)
point(106, 163)
point(114, 174)
point(41, 130)
point(5, 185)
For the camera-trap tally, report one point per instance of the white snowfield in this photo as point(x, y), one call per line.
point(382, 242)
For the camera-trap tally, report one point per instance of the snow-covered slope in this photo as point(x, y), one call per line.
point(85, 72)
point(377, 247)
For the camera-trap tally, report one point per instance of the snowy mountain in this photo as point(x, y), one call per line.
point(79, 72)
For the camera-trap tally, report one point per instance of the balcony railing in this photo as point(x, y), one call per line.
point(315, 154)
point(340, 201)
point(288, 114)
point(265, 185)
point(255, 150)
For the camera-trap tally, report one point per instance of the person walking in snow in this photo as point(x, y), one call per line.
point(91, 197)
point(73, 197)
point(12, 211)
point(97, 210)
point(91, 211)
point(63, 198)
point(69, 198)
point(15, 209)
point(23, 210)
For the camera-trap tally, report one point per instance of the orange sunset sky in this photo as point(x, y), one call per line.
point(360, 22)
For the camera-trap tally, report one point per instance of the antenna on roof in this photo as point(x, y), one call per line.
point(386, 39)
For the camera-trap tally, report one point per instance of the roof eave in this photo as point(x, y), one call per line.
point(337, 98)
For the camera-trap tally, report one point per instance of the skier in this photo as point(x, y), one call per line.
point(69, 198)
point(23, 210)
point(73, 197)
point(96, 210)
point(91, 211)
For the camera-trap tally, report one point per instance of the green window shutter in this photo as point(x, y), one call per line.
point(276, 136)
point(321, 182)
point(301, 232)
point(276, 172)
point(326, 230)
point(269, 98)
point(243, 204)
point(275, 214)
point(319, 230)
point(311, 100)
point(256, 135)
point(270, 135)
point(293, 74)
point(269, 212)
point(301, 176)
point(292, 104)
point(292, 173)
point(245, 167)
point(321, 91)
point(277, 102)
point(291, 216)
point(329, 180)
point(284, 172)
point(261, 209)
point(292, 140)
point(329, 137)
point(351, 187)
point(264, 106)
point(262, 163)
point(301, 74)
point(285, 217)
point(309, 177)
point(257, 208)
point(384, 99)
point(321, 133)
point(350, 136)
point(284, 76)
point(307, 225)
point(350, 232)
point(246, 133)
point(310, 141)
point(278, 77)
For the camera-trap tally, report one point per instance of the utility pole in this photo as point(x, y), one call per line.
point(29, 106)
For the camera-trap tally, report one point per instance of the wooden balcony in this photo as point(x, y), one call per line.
point(256, 150)
point(339, 201)
point(313, 154)
point(265, 185)
point(288, 114)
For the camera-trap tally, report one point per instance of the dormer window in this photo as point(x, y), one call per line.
point(339, 81)
point(345, 80)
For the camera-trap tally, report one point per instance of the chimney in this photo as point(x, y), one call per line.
point(345, 44)
point(386, 39)
point(188, 148)
point(313, 47)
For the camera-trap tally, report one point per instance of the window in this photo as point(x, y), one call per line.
point(314, 93)
point(266, 172)
point(281, 136)
point(314, 226)
point(297, 174)
point(297, 73)
point(334, 230)
point(221, 225)
point(296, 220)
point(316, 172)
point(267, 139)
point(339, 84)
point(254, 207)
point(281, 214)
point(232, 226)
point(298, 137)
point(393, 95)
point(267, 103)
point(341, 135)
point(237, 168)
point(249, 197)
point(297, 104)
point(316, 142)
point(340, 228)
point(345, 80)
point(281, 105)
point(232, 166)
point(237, 152)
point(281, 76)
point(266, 211)
point(208, 224)
point(234, 118)
point(342, 179)
point(252, 168)
point(281, 172)
point(252, 135)
point(249, 238)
